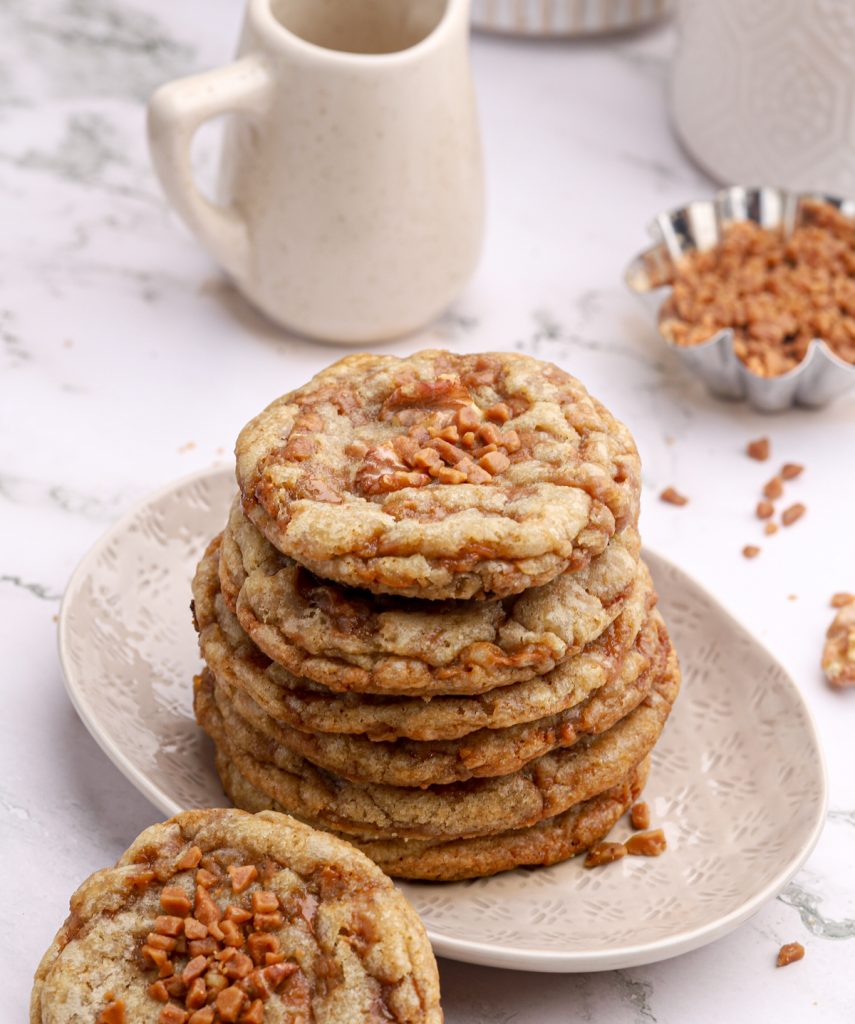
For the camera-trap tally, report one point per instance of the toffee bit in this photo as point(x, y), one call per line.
point(792, 514)
point(646, 844)
point(750, 551)
point(640, 816)
point(759, 449)
point(604, 853)
point(841, 599)
point(770, 529)
point(774, 488)
point(790, 470)
point(765, 509)
point(673, 497)
point(789, 953)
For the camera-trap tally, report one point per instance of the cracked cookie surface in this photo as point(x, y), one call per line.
point(225, 916)
point(298, 703)
point(349, 639)
point(439, 475)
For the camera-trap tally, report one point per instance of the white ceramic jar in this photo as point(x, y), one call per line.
point(763, 91)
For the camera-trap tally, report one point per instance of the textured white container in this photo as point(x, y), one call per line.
point(565, 17)
point(763, 91)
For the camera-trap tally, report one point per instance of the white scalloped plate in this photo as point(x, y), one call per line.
point(738, 781)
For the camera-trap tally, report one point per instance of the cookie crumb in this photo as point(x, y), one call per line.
point(640, 816)
point(792, 597)
point(765, 509)
point(841, 599)
point(750, 551)
point(793, 513)
point(838, 654)
point(774, 488)
point(604, 853)
point(759, 449)
point(673, 497)
point(188, 447)
point(789, 953)
point(790, 470)
point(770, 528)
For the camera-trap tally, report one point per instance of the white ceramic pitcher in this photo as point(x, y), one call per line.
point(351, 189)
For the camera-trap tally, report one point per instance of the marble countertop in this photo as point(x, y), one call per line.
point(126, 360)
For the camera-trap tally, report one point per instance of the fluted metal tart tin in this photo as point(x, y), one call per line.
point(820, 377)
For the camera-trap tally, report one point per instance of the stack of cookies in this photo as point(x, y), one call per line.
point(426, 624)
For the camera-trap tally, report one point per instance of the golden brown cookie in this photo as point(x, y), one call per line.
point(548, 842)
point(350, 639)
point(543, 788)
point(228, 916)
point(439, 475)
point(487, 752)
point(311, 707)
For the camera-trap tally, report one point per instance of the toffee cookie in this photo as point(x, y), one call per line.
point(223, 916)
point(440, 475)
point(350, 639)
point(309, 707)
point(485, 753)
point(548, 842)
point(542, 788)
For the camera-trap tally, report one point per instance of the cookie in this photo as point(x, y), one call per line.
point(838, 654)
point(230, 916)
point(439, 475)
point(543, 788)
point(488, 752)
point(350, 639)
point(548, 842)
point(309, 707)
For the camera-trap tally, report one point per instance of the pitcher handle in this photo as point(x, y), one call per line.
point(175, 112)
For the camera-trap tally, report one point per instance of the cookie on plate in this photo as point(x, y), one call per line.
point(350, 639)
point(547, 842)
point(481, 754)
point(543, 788)
point(439, 475)
point(309, 707)
point(226, 916)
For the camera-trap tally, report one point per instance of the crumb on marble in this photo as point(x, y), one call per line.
point(673, 497)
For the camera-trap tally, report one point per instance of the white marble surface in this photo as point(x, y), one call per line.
point(126, 361)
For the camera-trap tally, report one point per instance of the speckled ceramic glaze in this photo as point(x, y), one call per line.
point(738, 781)
point(351, 182)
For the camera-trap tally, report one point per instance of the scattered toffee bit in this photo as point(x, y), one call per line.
point(604, 853)
point(750, 551)
point(213, 965)
point(841, 599)
point(640, 816)
point(792, 597)
point(774, 488)
point(838, 655)
point(789, 953)
point(777, 293)
point(646, 844)
point(759, 449)
point(765, 509)
point(673, 497)
point(792, 514)
point(770, 529)
point(790, 470)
